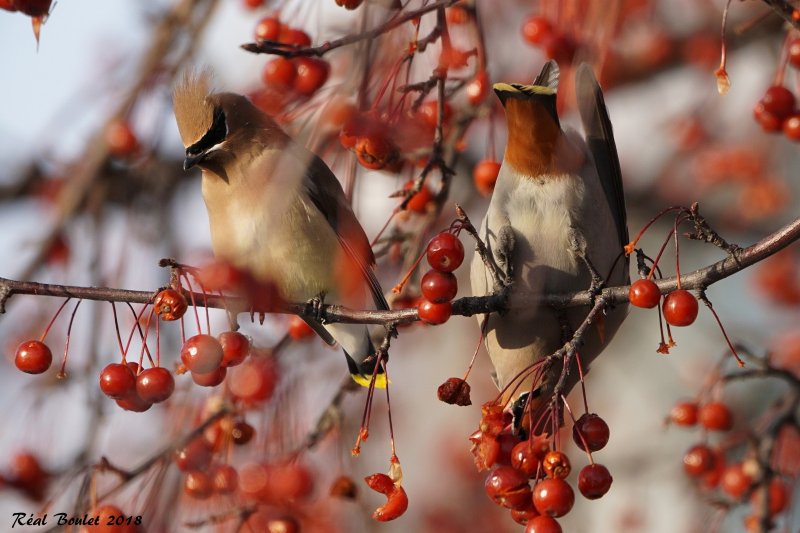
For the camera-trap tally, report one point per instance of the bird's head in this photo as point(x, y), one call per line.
point(217, 127)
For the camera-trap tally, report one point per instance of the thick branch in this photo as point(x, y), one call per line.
point(465, 306)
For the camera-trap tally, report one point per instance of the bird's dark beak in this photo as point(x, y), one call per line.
point(192, 160)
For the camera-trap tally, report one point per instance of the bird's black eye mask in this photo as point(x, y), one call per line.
point(215, 135)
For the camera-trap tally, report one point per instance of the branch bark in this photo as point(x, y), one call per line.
point(465, 306)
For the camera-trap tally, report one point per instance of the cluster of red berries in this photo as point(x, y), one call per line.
point(515, 463)
point(202, 458)
point(680, 306)
point(366, 135)
point(439, 286)
point(539, 31)
point(709, 466)
point(302, 76)
point(777, 110)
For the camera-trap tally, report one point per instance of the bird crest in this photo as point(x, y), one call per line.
point(194, 112)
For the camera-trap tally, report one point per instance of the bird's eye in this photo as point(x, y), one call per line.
point(215, 135)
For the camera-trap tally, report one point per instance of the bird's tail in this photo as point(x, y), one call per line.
point(362, 373)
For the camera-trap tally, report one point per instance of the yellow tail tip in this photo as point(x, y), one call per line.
point(364, 381)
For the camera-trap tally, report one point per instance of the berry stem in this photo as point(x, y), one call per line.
point(52, 320)
point(583, 383)
point(116, 328)
point(194, 304)
point(62, 372)
point(399, 287)
point(629, 248)
point(484, 325)
point(710, 306)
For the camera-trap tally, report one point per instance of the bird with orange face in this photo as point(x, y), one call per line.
point(557, 214)
point(277, 211)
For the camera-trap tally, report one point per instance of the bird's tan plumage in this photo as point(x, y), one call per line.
point(277, 210)
point(194, 112)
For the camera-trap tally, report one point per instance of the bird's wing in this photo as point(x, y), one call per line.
point(325, 191)
point(548, 77)
point(600, 140)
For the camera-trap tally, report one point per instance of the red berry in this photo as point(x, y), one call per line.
point(225, 479)
point(117, 381)
point(254, 381)
point(594, 431)
point(155, 385)
point(553, 497)
point(680, 308)
point(794, 53)
point(196, 455)
point(478, 88)
point(428, 113)
point(508, 487)
point(294, 37)
point(556, 464)
point(594, 481)
point(33, 8)
point(198, 485)
point(433, 313)
point(484, 175)
point(684, 414)
point(791, 127)
point(644, 293)
point(235, 348)
point(736, 481)
point(778, 495)
point(33, 357)
point(769, 122)
point(715, 416)
point(445, 252)
point(419, 202)
point(438, 287)
point(299, 329)
point(280, 72)
point(170, 304)
point(698, 460)
point(253, 4)
point(543, 524)
point(523, 516)
point(525, 458)
point(779, 101)
point(349, 4)
point(374, 150)
point(290, 481)
point(202, 354)
point(312, 73)
point(268, 29)
point(210, 379)
point(134, 403)
point(560, 47)
point(536, 29)
point(242, 433)
point(120, 139)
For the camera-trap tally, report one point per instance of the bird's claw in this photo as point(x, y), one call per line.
point(314, 307)
point(506, 241)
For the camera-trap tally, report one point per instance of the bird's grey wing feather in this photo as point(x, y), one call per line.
point(326, 193)
point(600, 140)
point(549, 75)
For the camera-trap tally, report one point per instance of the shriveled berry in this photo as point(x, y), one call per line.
point(170, 304)
point(556, 464)
point(508, 487)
